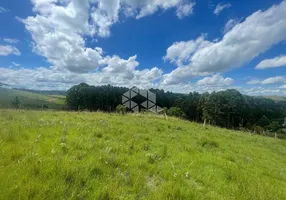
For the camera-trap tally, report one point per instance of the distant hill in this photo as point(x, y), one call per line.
point(31, 99)
point(276, 98)
point(3, 85)
point(45, 92)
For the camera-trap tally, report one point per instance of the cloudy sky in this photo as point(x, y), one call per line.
point(175, 45)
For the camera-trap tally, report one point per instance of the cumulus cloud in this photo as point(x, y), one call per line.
point(181, 52)
point(6, 50)
point(51, 79)
point(220, 7)
point(279, 61)
point(215, 80)
point(148, 7)
point(246, 40)
point(59, 28)
point(268, 81)
point(107, 12)
point(57, 31)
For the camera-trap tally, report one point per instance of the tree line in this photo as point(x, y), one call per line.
point(229, 108)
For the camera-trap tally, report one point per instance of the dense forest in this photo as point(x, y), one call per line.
point(228, 108)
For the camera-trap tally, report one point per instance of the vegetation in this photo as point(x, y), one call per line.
point(228, 108)
point(16, 103)
point(121, 109)
point(175, 111)
point(92, 155)
point(12, 98)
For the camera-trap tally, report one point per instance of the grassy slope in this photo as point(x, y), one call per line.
point(29, 99)
point(61, 155)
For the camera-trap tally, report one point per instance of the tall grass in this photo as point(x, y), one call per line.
point(66, 155)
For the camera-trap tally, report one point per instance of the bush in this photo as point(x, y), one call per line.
point(16, 103)
point(258, 129)
point(274, 126)
point(175, 111)
point(121, 109)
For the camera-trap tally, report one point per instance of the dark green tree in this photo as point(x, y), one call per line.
point(263, 121)
point(16, 103)
point(175, 111)
point(274, 126)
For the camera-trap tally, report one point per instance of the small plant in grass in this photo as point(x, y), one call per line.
point(152, 158)
point(121, 109)
point(209, 144)
point(164, 151)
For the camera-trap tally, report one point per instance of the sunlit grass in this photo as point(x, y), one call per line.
point(70, 155)
point(30, 100)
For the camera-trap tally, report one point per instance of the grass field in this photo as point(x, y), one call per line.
point(70, 155)
point(30, 100)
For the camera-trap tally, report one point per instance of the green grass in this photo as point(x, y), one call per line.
point(30, 100)
point(70, 155)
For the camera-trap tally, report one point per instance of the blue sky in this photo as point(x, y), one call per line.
point(177, 45)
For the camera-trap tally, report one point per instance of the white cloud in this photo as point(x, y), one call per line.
point(181, 52)
point(262, 91)
point(215, 81)
point(268, 81)
point(184, 10)
point(58, 32)
point(220, 7)
point(16, 64)
point(6, 50)
point(230, 24)
point(148, 7)
point(59, 28)
point(246, 40)
point(10, 40)
point(120, 66)
point(51, 79)
point(274, 80)
point(3, 10)
point(279, 61)
point(283, 86)
point(254, 82)
point(107, 12)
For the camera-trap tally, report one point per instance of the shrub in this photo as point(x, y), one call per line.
point(258, 129)
point(274, 126)
point(16, 103)
point(121, 109)
point(175, 111)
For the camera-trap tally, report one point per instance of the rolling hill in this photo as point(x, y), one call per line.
point(30, 99)
point(84, 155)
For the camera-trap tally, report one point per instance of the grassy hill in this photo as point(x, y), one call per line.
point(30, 100)
point(70, 155)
